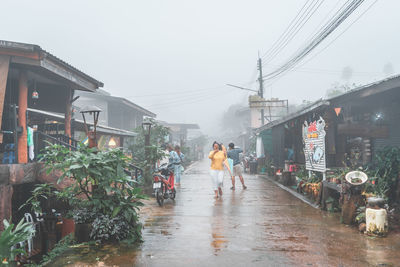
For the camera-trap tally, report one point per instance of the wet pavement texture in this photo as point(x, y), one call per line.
point(261, 226)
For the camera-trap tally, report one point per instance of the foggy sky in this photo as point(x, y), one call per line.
point(174, 57)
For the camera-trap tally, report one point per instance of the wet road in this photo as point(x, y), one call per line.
point(261, 226)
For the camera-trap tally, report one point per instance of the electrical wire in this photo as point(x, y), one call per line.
point(177, 92)
point(285, 31)
point(324, 33)
point(330, 43)
point(296, 31)
point(185, 102)
point(325, 30)
point(178, 99)
point(345, 30)
point(329, 71)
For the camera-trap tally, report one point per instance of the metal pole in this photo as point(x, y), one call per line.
point(261, 91)
point(147, 155)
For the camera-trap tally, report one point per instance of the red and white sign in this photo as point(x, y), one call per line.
point(314, 145)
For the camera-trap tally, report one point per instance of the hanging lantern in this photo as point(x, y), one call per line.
point(112, 143)
point(35, 95)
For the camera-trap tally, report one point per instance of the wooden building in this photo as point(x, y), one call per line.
point(32, 79)
point(358, 123)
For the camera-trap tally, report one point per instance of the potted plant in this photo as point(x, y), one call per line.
point(42, 203)
point(329, 204)
point(83, 219)
point(10, 238)
point(101, 186)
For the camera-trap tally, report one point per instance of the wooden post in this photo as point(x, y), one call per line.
point(68, 112)
point(4, 65)
point(22, 108)
point(6, 192)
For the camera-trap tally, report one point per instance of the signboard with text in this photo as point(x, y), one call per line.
point(314, 145)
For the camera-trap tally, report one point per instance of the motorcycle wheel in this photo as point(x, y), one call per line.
point(173, 194)
point(160, 197)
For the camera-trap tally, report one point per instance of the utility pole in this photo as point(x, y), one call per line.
point(261, 90)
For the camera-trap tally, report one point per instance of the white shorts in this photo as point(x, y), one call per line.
point(217, 178)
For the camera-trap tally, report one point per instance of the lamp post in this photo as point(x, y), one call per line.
point(89, 111)
point(146, 130)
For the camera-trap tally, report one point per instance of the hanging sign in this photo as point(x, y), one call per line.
point(314, 145)
point(337, 111)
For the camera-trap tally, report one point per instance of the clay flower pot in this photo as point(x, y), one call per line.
point(68, 227)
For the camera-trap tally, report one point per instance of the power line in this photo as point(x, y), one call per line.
point(323, 21)
point(345, 30)
point(330, 43)
point(182, 98)
point(296, 30)
point(189, 98)
point(185, 102)
point(184, 92)
point(177, 92)
point(324, 33)
point(285, 31)
point(329, 71)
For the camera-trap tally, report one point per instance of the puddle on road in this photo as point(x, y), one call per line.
point(108, 255)
point(260, 226)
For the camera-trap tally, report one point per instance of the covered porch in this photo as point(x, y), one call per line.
point(32, 79)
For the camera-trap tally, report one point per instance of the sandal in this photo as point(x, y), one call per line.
point(232, 188)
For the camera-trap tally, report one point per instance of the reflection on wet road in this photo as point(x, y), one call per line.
point(261, 226)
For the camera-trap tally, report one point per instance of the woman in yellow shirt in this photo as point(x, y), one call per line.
point(218, 160)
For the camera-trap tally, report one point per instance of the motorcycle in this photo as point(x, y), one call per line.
point(247, 160)
point(163, 183)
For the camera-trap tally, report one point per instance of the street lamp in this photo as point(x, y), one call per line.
point(89, 111)
point(146, 127)
point(146, 130)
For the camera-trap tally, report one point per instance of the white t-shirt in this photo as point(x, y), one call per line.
point(165, 159)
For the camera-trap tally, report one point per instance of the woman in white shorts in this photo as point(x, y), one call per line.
point(218, 160)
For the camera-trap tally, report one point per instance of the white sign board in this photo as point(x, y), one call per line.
point(314, 145)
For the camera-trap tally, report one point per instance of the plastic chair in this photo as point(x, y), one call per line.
point(29, 219)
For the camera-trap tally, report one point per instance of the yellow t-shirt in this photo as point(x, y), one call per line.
point(217, 161)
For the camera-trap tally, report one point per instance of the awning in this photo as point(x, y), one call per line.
point(100, 128)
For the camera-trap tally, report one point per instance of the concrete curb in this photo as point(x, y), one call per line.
point(294, 193)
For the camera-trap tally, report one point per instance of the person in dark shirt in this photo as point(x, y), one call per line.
point(233, 153)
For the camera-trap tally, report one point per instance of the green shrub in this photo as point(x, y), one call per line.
point(10, 237)
point(99, 184)
point(384, 170)
point(105, 228)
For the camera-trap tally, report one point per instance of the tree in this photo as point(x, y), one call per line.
point(338, 89)
point(347, 73)
point(388, 69)
point(99, 186)
point(158, 135)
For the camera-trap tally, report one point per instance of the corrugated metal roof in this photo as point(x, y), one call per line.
point(36, 48)
point(327, 101)
point(317, 104)
point(180, 125)
point(121, 100)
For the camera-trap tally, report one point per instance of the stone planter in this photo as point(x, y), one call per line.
point(82, 232)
